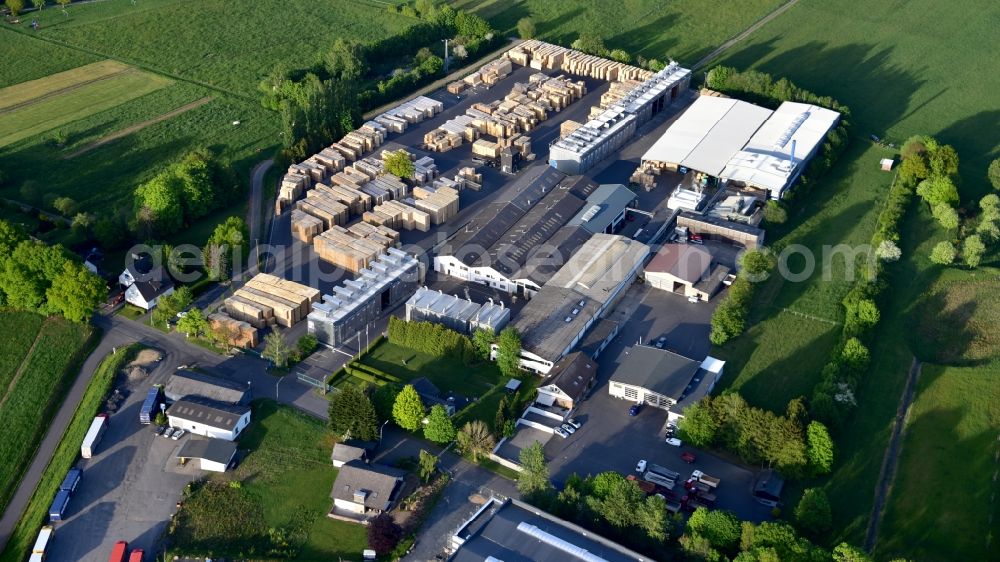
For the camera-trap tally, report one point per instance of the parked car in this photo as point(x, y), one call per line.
point(169, 432)
point(693, 300)
point(635, 409)
point(641, 467)
point(688, 457)
point(574, 423)
point(561, 432)
point(178, 434)
point(674, 441)
point(662, 341)
point(696, 239)
point(159, 429)
point(568, 428)
point(729, 280)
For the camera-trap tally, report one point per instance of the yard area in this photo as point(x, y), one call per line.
point(274, 504)
point(40, 356)
point(448, 374)
point(945, 484)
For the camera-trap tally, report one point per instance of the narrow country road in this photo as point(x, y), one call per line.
point(254, 207)
point(889, 462)
point(759, 23)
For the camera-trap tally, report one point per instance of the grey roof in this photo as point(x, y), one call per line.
point(183, 383)
point(342, 452)
point(207, 412)
point(732, 225)
point(711, 283)
point(658, 370)
point(215, 450)
point(380, 484)
point(603, 205)
point(443, 304)
point(514, 531)
point(425, 387)
point(770, 483)
point(572, 374)
point(544, 260)
point(689, 262)
point(154, 284)
point(543, 324)
point(597, 335)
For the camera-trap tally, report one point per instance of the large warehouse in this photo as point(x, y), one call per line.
point(663, 379)
point(742, 143)
point(578, 295)
point(456, 313)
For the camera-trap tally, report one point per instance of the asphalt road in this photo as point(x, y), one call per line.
point(254, 207)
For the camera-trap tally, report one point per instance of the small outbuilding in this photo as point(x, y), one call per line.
point(208, 418)
point(767, 487)
point(686, 269)
point(215, 455)
point(351, 450)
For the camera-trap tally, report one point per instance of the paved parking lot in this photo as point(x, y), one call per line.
point(129, 489)
point(612, 440)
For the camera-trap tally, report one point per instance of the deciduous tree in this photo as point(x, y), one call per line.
point(946, 216)
point(973, 250)
point(721, 528)
point(939, 190)
point(76, 292)
point(439, 428)
point(944, 253)
point(276, 350)
point(813, 511)
point(399, 164)
point(819, 448)
point(427, 465)
point(698, 426)
point(408, 410)
point(15, 6)
point(534, 477)
point(475, 440)
point(526, 28)
point(383, 534)
point(509, 352)
point(194, 323)
point(993, 173)
point(345, 60)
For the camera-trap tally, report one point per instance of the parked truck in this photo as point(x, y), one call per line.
point(647, 487)
point(40, 550)
point(658, 479)
point(664, 472)
point(58, 507)
point(150, 406)
point(709, 481)
point(71, 480)
point(93, 437)
point(118, 552)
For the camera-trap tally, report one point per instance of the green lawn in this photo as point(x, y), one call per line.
point(45, 58)
point(684, 30)
point(446, 373)
point(284, 484)
point(945, 494)
point(35, 391)
point(66, 454)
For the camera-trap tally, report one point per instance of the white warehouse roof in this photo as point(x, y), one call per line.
point(708, 134)
point(765, 161)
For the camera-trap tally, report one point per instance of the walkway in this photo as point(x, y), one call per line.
point(760, 23)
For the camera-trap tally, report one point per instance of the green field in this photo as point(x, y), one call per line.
point(945, 493)
point(899, 69)
point(285, 484)
point(48, 361)
point(65, 456)
point(27, 58)
point(446, 373)
point(79, 99)
point(226, 45)
point(684, 30)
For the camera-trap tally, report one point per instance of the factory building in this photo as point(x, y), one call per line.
point(577, 297)
point(349, 308)
point(616, 125)
point(456, 313)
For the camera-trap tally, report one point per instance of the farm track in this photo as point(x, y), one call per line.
point(889, 463)
point(138, 127)
point(743, 35)
point(24, 363)
point(67, 89)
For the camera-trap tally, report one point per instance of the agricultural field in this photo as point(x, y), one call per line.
point(47, 357)
point(44, 104)
point(45, 58)
point(66, 454)
point(684, 30)
point(282, 485)
point(446, 373)
point(944, 498)
point(229, 46)
point(896, 67)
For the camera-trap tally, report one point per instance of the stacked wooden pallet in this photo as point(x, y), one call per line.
point(266, 300)
point(545, 56)
point(451, 133)
point(236, 332)
point(439, 202)
point(485, 149)
point(457, 87)
point(398, 216)
point(490, 73)
point(306, 226)
point(355, 247)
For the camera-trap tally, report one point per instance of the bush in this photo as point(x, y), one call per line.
point(813, 511)
point(426, 337)
point(383, 534)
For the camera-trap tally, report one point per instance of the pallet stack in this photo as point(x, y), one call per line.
point(545, 56)
point(485, 149)
point(440, 202)
point(355, 247)
point(237, 332)
point(457, 87)
point(470, 178)
point(305, 226)
point(451, 133)
point(323, 205)
point(398, 216)
point(266, 300)
point(490, 73)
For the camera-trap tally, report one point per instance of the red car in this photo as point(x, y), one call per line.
point(687, 457)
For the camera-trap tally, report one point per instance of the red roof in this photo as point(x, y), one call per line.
point(687, 262)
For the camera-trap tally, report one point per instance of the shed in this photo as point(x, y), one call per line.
point(215, 455)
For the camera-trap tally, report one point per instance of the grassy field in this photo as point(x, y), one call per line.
point(684, 30)
point(67, 452)
point(31, 59)
point(959, 320)
point(36, 388)
point(44, 106)
point(944, 497)
point(227, 45)
point(284, 484)
point(897, 66)
point(20, 329)
point(446, 373)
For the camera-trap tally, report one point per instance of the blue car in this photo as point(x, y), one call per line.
point(634, 410)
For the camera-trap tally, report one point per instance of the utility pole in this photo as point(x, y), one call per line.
point(445, 56)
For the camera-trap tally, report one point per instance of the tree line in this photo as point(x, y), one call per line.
point(45, 279)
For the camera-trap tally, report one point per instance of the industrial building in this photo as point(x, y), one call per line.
point(516, 246)
point(664, 379)
point(685, 269)
point(213, 455)
point(512, 530)
point(713, 227)
point(456, 313)
point(191, 384)
point(742, 144)
point(616, 125)
point(391, 279)
point(209, 418)
point(558, 317)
